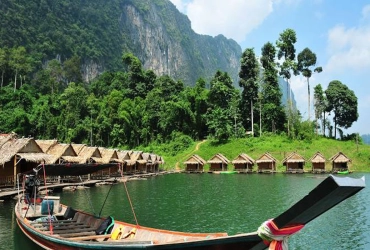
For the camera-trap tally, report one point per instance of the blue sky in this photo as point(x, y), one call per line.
point(337, 31)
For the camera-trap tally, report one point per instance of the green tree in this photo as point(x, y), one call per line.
point(219, 124)
point(72, 69)
point(273, 114)
point(249, 72)
point(221, 91)
point(17, 61)
point(286, 50)
point(306, 60)
point(343, 103)
point(319, 105)
point(3, 64)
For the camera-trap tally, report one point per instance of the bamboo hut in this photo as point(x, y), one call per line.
point(266, 163)
point(18, 156)
point(87, 154)
point(339, 162)
point(149, 163)
point(218, 162)
point(59, 151)
point(318, 163)
point(110, 156)
point(243, 163)
point(294, 163)
point(194, 164)
point(154, 167)
point(140, 163)
point(124, 157)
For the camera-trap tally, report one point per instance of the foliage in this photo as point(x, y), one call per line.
point(249, 72)
point(273, 115)
point(343, 103)
point(306, 60)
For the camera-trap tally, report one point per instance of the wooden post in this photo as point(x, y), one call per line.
point(15, 171)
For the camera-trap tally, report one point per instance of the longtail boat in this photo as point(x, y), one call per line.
point(53, 225)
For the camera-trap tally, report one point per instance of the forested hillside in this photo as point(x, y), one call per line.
point(99, 32)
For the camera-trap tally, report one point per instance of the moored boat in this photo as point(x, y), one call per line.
point(55, 226)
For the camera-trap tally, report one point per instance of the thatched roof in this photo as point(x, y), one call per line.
point(266, 157)
point(195, 159)
point(59, 150)
point(78, 147)
point(72, 159)
point(6, 137)
point(136, 155)
point(109, 155)
point(242, 159)
point(293, 158)
point(123, 155)
point(339, 158)
point(317, 158)
point(45, 145)
point(146, 156)
point(26, 148)
point(218, 158)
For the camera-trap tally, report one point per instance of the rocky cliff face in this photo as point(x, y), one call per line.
point(162, 38)
point(99, 32)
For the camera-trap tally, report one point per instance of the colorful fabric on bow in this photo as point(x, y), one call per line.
point(275, 238)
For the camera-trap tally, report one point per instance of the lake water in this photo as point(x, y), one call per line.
point(216, 203)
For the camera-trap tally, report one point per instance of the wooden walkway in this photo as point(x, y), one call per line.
point(9, 193)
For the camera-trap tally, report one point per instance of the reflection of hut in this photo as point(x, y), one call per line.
point(194, 164)
point(218, 162)
point(18, 156)
point(266, 163)
point(318, 163)
point(294, 163)
point(243, 163)
point(339, 162)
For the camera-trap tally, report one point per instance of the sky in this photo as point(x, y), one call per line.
point(338, 32)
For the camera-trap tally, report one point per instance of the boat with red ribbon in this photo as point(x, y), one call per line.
point(53, 225)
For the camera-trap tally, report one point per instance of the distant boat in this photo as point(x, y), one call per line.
point(54, 226)
point(343, 172)
point(228, 172)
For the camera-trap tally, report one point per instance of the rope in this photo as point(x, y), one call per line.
point(128, 197)
point(50, 225)
point(88, 196)
point(275, 238)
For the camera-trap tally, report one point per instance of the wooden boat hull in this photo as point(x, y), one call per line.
point(47, 241)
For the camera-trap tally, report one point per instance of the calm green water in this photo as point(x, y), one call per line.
point(216, 203)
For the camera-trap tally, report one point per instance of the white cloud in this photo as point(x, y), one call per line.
point(234, 18)
point(349, 48)
point(366, 11)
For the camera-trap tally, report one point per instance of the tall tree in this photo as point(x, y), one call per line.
point(306, 60)
point(249, 72)
point(3, 64)
point(343, 103)
point(221, 91)
point(17, 61)
point(272, 111)
point(286, 51)
point(319, 105)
